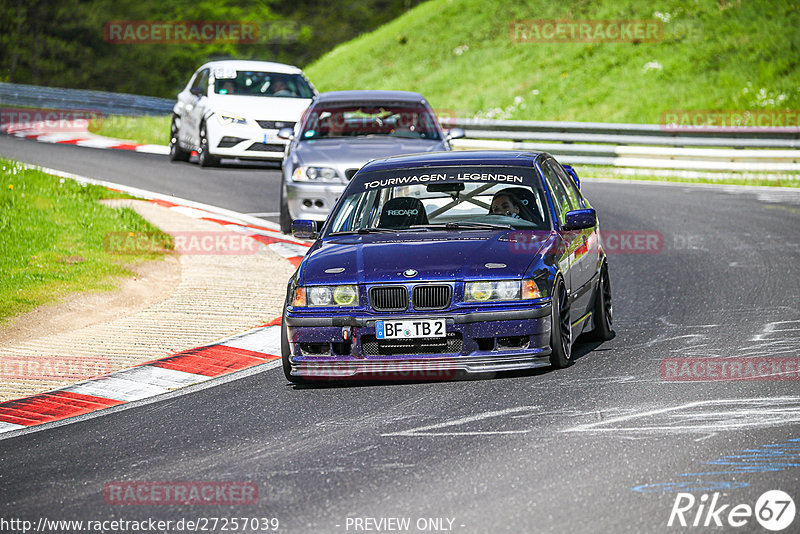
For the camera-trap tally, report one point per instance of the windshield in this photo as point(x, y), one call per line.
point(396, 120)
point(444, 199)
point(255, 83)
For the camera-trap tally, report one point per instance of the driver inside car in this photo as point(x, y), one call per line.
point(507, 204)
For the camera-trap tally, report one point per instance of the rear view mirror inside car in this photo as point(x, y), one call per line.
point(445, 188)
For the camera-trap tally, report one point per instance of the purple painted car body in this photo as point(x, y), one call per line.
point(415, 274)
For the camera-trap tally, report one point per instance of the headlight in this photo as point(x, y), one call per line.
point(315, 174)
point(345, 296)
point(501, 290)
point(229, 118)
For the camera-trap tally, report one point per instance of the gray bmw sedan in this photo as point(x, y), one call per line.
point(339, 133)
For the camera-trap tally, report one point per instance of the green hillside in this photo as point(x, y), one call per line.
point(712, 55)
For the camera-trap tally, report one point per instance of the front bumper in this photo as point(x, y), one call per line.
point(476, 342)
point(245, 142)
point(312, 200)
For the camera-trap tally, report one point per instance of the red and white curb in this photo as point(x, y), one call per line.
point(264, 232)
point(256, 347)
point(288, 248)
point(83, 139)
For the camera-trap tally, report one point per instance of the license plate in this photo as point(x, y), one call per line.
point(410, 328)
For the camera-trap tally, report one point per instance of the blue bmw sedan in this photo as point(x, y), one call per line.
point(450, 262)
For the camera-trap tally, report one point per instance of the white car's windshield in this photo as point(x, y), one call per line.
point(256, 83)
point(445, 205)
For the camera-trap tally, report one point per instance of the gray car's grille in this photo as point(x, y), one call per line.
point(389, 298)
point(371, 346)
point(262, 147)
point(431, 297)
point(275, 125)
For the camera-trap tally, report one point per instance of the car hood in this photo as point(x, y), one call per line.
point(261, 107)
point(355, 152)
point(436, 255)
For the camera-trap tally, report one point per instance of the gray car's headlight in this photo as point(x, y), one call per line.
point(485, 291)
point(226, 118)
point(315, 174)
point(345, 295)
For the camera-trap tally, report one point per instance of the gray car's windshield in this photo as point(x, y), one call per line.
point(370, 119)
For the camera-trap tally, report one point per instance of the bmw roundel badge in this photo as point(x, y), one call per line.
point(409, 273)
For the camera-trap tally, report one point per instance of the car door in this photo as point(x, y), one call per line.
point(196, 108)
point(586, 255)
point(572, 240)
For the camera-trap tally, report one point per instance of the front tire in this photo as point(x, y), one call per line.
point(560, 328)
point(285, 216)
point(176, 153)
point(204, 158)
point(602, 314)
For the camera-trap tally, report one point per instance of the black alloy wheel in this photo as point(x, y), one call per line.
point(560, 328)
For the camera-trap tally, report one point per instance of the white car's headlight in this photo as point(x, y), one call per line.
point(485, 291)
point(315, 174)
point(226, 118)
point(344, 296)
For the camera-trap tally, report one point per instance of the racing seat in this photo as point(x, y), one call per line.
point(529, 210)
point(402, 212)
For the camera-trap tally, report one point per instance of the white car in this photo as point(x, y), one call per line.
point(234, 109)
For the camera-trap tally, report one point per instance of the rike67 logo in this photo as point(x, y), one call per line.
point(774, 510)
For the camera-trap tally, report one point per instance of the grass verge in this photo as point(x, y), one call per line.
point(662, 175)
point(54, 233)
point(465, 56)
point(146, 129)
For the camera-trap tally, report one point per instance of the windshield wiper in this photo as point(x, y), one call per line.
point(374, 231)
point(470, 226)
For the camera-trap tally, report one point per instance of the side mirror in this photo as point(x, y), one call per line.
point(456, 133)
point(580, 219)
point(285, 133)
point(304, 229)
point(572, 173)
point(196, 91)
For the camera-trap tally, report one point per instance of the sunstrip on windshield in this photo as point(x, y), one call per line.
point(441, 177)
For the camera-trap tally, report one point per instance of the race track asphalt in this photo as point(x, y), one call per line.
point(603, 446)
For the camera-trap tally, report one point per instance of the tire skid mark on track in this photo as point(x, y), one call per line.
point(708, 416)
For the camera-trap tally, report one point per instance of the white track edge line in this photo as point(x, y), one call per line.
point(213, 382)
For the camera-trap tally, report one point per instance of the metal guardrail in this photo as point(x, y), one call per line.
point(638, 145)
point(34, 96)
point(583, 143)
point(627, 134)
